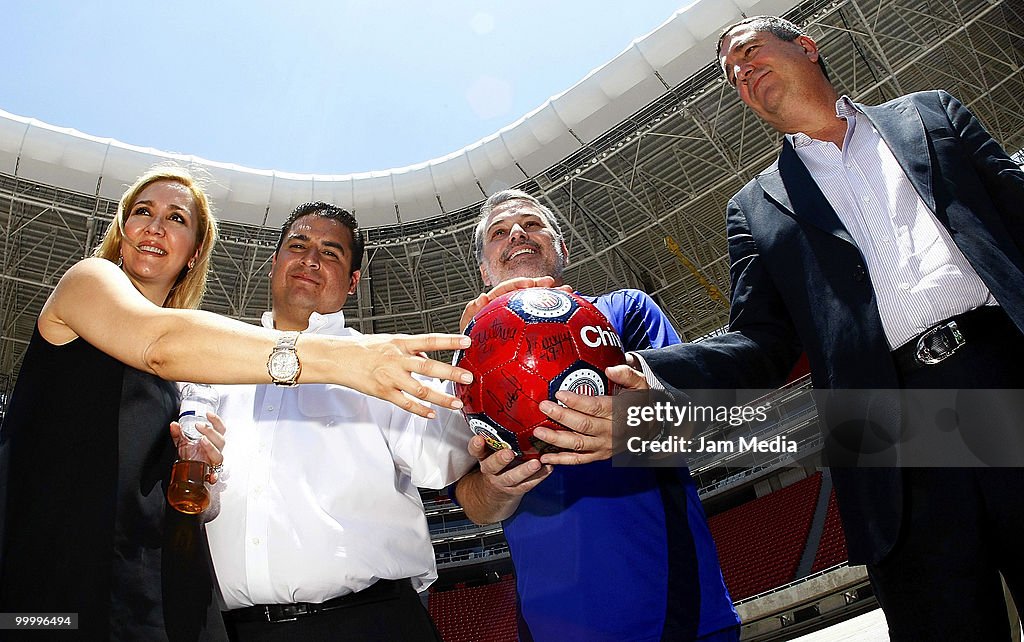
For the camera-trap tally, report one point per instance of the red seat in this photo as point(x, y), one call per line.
point(760, 543)
point(832, 549)
point(477, 613)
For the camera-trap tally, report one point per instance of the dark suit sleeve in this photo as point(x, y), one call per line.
point(1002, 177)
point(761, 346)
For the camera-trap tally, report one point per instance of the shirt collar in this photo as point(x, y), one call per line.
point(318, 323)
point(845, 108)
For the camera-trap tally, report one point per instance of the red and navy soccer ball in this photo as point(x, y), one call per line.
point(528, 345)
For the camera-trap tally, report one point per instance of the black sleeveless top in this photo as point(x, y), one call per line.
point(86, 528)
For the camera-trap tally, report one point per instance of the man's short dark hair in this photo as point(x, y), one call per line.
point(779, 27)
point(333, 212)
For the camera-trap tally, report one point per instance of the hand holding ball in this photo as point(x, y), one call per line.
point(528, 345)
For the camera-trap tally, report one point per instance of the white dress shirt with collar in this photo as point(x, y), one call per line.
point(319, 494)
point(919, 275)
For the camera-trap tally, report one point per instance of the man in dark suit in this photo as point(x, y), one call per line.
point(883, 240)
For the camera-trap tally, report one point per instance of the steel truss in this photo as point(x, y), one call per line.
point(667, 171)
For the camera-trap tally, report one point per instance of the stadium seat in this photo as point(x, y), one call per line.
point(832, 548)
point(484, 613)
point(760, 543)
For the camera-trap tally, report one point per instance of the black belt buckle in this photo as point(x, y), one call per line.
point(287, 612)
point(938, 344)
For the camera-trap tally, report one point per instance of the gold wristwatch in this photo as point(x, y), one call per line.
point(283, 364)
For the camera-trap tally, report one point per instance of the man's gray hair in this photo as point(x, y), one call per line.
point(504, 196)
point(779, 27)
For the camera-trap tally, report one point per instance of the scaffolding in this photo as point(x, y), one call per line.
point(666, 171)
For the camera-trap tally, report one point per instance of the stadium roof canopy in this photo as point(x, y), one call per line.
point(563, 125)
point(638, 160)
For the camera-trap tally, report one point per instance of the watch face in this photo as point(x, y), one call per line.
point(284, 365)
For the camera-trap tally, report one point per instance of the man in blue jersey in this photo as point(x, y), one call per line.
point(600, 552)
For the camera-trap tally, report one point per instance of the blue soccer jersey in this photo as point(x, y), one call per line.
point(609, 553)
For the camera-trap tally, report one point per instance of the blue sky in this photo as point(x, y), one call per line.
point(324, 87)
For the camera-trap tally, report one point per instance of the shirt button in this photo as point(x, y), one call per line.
point(256, 541)
point(270, 409)
point(904, 286)
point(867, 199)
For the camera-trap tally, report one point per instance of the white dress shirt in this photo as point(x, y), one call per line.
point(319, 494)
point(919, 275)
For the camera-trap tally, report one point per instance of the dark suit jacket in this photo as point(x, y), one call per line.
point(798, 280)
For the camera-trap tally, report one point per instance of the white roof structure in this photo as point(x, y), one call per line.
point(637, 160)
point(563, 125)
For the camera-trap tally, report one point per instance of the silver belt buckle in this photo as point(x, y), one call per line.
point(285, 612)
point(939, 343)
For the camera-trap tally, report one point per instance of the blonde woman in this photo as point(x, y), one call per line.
point(85, 443)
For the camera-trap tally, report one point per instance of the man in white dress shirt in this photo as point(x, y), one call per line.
point(321, 531)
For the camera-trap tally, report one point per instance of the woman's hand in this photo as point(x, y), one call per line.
point(386, 363)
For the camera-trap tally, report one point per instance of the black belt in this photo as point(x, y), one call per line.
point(941, 341)
point(381, 590)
